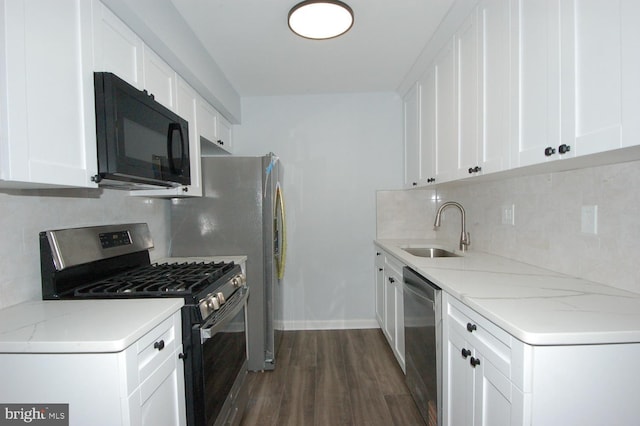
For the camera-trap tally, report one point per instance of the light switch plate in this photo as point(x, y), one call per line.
point(589, 221)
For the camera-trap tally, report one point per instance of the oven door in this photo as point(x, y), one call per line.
point(222, 366)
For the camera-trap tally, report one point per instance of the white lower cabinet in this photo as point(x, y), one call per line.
point(142, 385)
point(389, 303)
point(492, 379)
point(477, 389)
point(379, 283)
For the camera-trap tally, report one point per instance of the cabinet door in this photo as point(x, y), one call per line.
point(380, 288)
point(458, 384)
point(536, 76)
point(164, 403)
point(412, 137)
point(630, 37)
point(446, 117)
point(591, 65)
point(187, 99)
point(117, 49)
point(207, 121)
point(428, 126)
point(225, 134)
point(399, 309)
point(492, 395)
point(390, 308)
point(467, 71)
point(47, 121)
point(495, 113)
point(159, 79)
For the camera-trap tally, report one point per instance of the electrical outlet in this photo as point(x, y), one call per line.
point(589, 221)
point(508, 213)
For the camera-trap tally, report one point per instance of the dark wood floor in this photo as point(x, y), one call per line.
point(331, 377)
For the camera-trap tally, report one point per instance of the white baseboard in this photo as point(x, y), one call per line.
point(327, 325)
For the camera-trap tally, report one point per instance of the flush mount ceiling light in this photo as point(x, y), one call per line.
point(320, 20)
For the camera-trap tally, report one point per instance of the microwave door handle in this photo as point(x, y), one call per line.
point(172, 165)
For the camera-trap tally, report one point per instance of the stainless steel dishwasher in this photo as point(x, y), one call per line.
point(423, 343)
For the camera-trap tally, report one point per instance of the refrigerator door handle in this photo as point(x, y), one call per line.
point(280, 230)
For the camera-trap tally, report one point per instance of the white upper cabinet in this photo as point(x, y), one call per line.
point(495, 112)
point(469, 141)
point(483, 101)
point(160, 80)
point(47, 119)
point(576, 70)
point(117, 49)
point(50, 51)
point(529, 82)
point(225, 134)
point(420, 132)
point(602, 39)
point(214, 130)
point(412, 137)
point(428, 131)
point(591, 66)
point(536, 77)
point(630, 51)
point(207, 116)
point(446, 157)
point(187, 103)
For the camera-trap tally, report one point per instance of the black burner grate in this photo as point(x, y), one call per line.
point(166, 279)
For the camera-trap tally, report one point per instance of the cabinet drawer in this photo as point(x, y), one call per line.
point(395, 267)
point(155, 347)
point(166, 368)
point(488, 339)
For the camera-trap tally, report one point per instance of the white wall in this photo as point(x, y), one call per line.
point(337, 150)
point(23, 214)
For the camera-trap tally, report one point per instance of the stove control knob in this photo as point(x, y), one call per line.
point(239, 280)
point(215, 303)
point(220, 298)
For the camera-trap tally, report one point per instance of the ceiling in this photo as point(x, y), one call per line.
point(252, 44)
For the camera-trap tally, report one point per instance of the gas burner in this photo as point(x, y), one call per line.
point(162, 280)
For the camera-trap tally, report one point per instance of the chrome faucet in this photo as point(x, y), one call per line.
point(465, 239)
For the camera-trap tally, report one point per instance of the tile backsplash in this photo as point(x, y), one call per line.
point(553, 220)
point(405, 214)
point(24, 213)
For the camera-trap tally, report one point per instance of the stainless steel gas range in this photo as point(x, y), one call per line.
point(113, 262)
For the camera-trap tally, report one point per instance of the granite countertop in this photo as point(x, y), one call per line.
point(81, 326)
point(535, 305)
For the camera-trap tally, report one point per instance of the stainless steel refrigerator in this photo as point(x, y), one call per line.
point(241, 213)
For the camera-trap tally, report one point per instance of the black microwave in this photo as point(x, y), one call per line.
point(140, 142)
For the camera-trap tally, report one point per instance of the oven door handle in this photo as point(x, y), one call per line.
point(233, 305)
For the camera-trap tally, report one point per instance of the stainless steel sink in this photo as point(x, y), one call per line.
point(429, 252)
